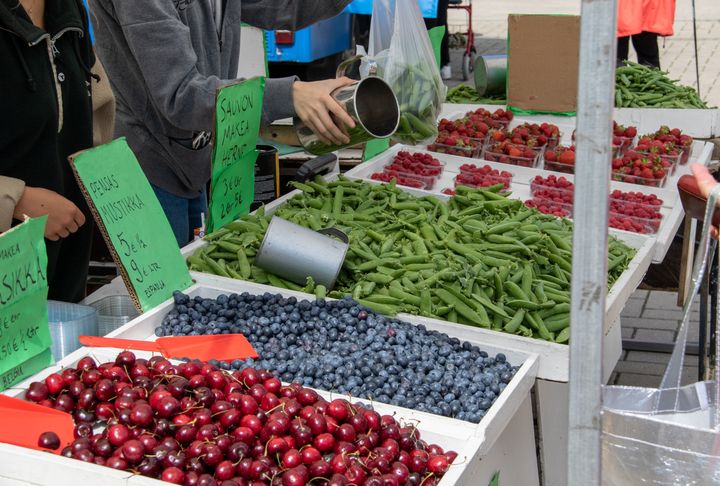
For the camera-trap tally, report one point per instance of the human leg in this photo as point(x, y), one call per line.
point(176, 211)
point(646, 47)
point(623, 49)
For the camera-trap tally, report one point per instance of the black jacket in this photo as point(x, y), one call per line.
point(46, 115)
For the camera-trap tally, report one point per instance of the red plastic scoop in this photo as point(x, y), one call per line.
point(222, 347)
point(21, 423)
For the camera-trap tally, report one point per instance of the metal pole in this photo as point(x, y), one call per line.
point(596, 89)
point(697, 62)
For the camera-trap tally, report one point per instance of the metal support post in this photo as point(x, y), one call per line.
point(596, 87)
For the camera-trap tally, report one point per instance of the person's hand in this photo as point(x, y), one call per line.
point(705, 182)
point(64, 217)
point(319, 111)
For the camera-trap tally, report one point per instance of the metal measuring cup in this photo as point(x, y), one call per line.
point(370, 102)
point(295, 253)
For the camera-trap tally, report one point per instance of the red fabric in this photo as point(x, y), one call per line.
point(659, 16)
point(635, 16)
point(630, 17)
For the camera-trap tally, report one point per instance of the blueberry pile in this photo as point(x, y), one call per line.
point(344, 347)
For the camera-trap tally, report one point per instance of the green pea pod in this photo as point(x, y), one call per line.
point(384, 309)
point(563, 336)
point(514, 324)
point(424, 129)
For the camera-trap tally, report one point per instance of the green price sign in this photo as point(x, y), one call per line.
point(24, 333)
point(132, 222)
point(237, 126)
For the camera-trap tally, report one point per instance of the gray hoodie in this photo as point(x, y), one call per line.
point(166, 59)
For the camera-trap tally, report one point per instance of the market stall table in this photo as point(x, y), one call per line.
point(502, 441)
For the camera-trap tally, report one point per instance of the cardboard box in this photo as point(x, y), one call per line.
point(543, 60)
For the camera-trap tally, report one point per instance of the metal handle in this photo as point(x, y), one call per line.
point(341, 235)
point(317, 166)
point(343, 67)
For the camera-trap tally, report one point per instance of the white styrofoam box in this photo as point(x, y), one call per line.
point(468, 440)
point(695, 122)
point(553, 362)
point(208, 286)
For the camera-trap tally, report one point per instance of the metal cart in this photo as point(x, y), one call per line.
point(468, 61)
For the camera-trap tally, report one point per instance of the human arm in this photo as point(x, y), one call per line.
point(160, 44)
point(18, 201)
point(11, 190)
point(705, 182)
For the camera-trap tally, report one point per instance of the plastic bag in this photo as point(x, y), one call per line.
point(668, 435)
point(400, 49)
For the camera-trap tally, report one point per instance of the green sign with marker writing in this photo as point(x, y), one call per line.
point(237, 127)
point(24, 334)
point(132, 222)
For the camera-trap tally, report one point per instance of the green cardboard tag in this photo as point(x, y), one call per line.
point(24, 334)
point(375, 147)
point(133, 223)
point(436, 36)
point(230, 194)
point(237, 127)
point(495, 481)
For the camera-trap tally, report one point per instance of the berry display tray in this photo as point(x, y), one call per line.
point(471, 441)
point(14, 461)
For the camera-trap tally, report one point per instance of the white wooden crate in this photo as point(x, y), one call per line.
point(554, 357)
point(473, 442)
point(208, 286)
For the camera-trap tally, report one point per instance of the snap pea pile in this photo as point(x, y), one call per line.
point(639, 86)
point(465, 94)
point(420, 95)
point(481, 259)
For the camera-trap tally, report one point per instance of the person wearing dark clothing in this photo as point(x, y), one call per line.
point(646, 48)
point(45, 94)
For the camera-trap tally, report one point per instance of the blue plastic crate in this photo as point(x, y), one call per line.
point(364, 7)
point(323, 39)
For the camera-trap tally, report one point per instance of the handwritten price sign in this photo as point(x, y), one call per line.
point(132, 222)
point(237, 125)
point(24, 333)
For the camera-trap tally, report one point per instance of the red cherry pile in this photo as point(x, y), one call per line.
point(388, 176)
point(196, 425)
point(560, 158)
point(510, 153)
point(636, 168)
point(416, 163)
point(484, 176)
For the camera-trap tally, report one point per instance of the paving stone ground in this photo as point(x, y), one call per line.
point(650, 316)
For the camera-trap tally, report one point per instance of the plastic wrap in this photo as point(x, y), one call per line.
point(669, 435)
point(403, 56)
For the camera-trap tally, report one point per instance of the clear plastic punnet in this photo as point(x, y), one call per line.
point(668, 435)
